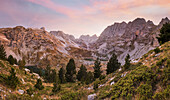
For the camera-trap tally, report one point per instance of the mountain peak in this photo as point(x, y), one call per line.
point(139, 20)
point(88, 38)
point(163, 21)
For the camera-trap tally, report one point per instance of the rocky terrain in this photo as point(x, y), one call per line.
point(135, 38)
point(40, 47)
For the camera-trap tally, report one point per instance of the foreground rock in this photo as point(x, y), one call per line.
point(91, 96)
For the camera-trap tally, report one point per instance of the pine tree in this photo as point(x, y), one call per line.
point(127, 62)
point(54, 76)
point(71, 71)
point(61, 75)
point(82, 73)
point(96, 84)
point(89, 78)
point(165, 34)
point(39, 85)
point(13, 80)
point(47, 73)
point(97, 66)
point(2, 53)
point(113, 64)
point(21, 63)
point(11, 60)
point(15, 61)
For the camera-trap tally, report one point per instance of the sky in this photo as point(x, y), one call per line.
point(78, 17)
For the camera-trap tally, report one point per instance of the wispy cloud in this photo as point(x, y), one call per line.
point(56, 7)
point(85, 17)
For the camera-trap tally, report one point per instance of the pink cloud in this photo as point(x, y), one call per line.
point(112, 8)
point(53, 6)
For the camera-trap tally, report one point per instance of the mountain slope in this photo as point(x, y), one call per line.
point(135, 38)
point(149, 78)
point(40, 47)
point(146, 79)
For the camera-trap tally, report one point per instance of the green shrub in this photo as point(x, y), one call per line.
point(165, 77)
point(158, 96)
point(71, 96)
point(11, 60)
point(117, 78)
point(1, 64)
point(168, 62)
point(102, 77)
point(2, 52)
point(126, 86)
point(164, 95)
point(157, 50)
point(145, 91)
point(30, 91)
point(12, 80)
point(95, 85)
point(39, 85)
point(103, 94)
point(159, 63)
point(56, 87)
point(129, 96)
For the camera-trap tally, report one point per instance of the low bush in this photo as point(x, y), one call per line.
point(126, 86)
point(157, 50)
point(71, 96)
point(144, 91)
point(30, 91)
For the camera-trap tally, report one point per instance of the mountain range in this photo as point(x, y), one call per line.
point(40, 47)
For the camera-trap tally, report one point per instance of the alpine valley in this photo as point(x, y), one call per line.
point(128, 61)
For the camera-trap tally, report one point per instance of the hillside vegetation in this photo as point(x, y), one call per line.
point(149, 78)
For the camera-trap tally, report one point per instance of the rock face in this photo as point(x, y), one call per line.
point(84, 41)
point(37, 46)
point(135, 38)
point(88, 39)
point(40, 47)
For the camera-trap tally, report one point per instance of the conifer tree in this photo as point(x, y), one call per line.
point(127, 62)
point(71, 71)
point(21, 63)
point(15, 61)
point(89, 78)
point(2, 53)
point(54, 77)
point(11, 60)
point(13, 80)
point(39, 85)
point(47, 73)
point(61, 75)
point(82, 73)
point(97, 66)
point(113, 64)
point(165, 34)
